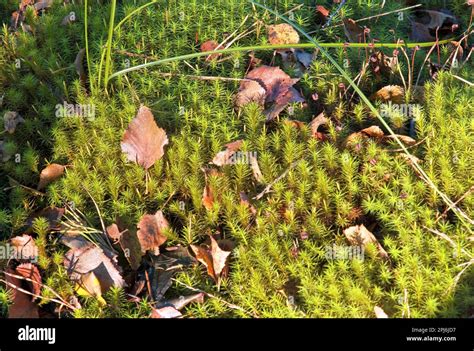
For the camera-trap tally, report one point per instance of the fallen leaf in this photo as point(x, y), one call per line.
point(89, 285)
point(143, 142)
point(317, 122)
point(52, 214)
point(132, 248)
point(24, 248)
point(255, 169)
point(359, 235)
point(282, 34)
point(210, 45)
point(304, 57)
point(215, 259)
point(354, 32)
point(79, 65)
point(245, 201)
point(393, 93)
point(11, 119)
point(49, 174)
point(373, 132)
point(113, 232)
point(22, 306)
point(278, 89)
point(425, 24)
point(31, 272)
point(250, 91)
point(322, 14)
point(183, 301)
point(282, 101)
point(43, 4)
point(379, 312)
point(165, 312)
point(91, 258)
point(150, 232)
point(207, 198)
point(403, 138)
point(222, 157)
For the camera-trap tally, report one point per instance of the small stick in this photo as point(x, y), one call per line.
point(231, 305)
point(283, 175)
point(455, 204)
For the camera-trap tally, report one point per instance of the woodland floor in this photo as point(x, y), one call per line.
point(323, 168)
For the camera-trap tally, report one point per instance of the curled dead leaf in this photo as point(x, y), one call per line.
point(354, 32)
point(393, 93)
point(22, 305)
point(215, 259)
point(359, 235)
point(49, 174)
point(31, 272)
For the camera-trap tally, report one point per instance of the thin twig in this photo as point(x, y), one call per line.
point(455, 204)
point(231, 305)
point(283, 175)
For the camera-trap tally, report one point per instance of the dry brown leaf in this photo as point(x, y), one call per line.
point(354, 32)
point(210, 45)
point(11, 119)
point(215, 259)
point(30, 271)
point(132, 248)
point(317, 122)
point(281, 102)
point(359, 235)
point(245, 201)
point(183, 301)
point(278, 88)
point(165, 312)
point(379, 312)
point(24, 248)
point(52, 214)
point(322, 14)
point(151, 229)
point(86, 257)
point(22, 306)
point(373, 132)
point(282, 34)
point(49, 174)
point(393, 93)
point(403, 138)
point(250, 91)
point(113, 232)
point(255, 169)
point(143, 141)
point(222, 157)
point(208, 198)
